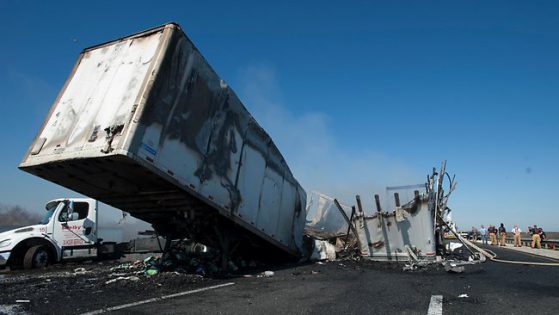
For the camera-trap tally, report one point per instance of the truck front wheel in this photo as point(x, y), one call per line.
point(36, 257)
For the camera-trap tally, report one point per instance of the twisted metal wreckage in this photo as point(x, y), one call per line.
point(415, 232)
point(144, 124)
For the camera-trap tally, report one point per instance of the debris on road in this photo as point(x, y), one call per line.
point(323, 250)
point(268, 274)
point(80, 270)
point(413, 232)
point(453, 267)
point(131, 278)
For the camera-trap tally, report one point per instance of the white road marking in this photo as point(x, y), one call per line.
point(119, 307)
point(436, 305)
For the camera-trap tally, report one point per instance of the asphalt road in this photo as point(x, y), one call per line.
point(341, 287)
point(354, 288)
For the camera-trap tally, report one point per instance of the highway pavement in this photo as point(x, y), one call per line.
point(374, 288)
point(339, 287)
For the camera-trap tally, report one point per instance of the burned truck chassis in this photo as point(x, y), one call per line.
point(203, 224)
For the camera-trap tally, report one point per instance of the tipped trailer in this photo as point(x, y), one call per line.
point(144, 124)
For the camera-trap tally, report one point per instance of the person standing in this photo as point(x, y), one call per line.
point(483, 234)
point(502, 235)
point(516, 234)
point(493, 235)
point(536, 239)
point(473, 234)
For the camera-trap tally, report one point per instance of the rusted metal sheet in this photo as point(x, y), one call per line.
point(144, 124)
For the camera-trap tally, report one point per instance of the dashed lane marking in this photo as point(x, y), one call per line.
point(436, 305)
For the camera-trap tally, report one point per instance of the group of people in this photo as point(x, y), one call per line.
point(498, 235)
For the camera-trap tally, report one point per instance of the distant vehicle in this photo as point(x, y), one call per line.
point(67, 231)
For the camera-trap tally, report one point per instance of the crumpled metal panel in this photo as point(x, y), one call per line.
point(172, 116)
point(323, 217)
point(386, 236)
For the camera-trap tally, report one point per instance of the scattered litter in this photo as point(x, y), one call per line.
point(22, 301)
point(268, 274)
point(152, 271)
point(315, 272)
point(454, 246)
point(320, 263)
point(200, 270)
point(464, 295)
point(248, 276)
point(323, 250)
point(120, 267)
point(453, 267)
point(149, 260)
point(131, 278)
point(111, 281)
point(118, 274)
point(80, 271)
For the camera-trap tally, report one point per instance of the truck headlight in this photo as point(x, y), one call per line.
point(5, 243)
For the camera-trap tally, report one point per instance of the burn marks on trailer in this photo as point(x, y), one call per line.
point(190, 113)
point(199, 115)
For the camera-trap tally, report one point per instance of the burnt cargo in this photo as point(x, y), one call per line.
point(144, 124)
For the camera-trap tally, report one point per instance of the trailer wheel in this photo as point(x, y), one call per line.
point(36, 257)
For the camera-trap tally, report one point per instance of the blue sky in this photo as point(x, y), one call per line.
point(357, 95)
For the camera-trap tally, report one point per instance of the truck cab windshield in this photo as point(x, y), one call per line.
point(50, 211)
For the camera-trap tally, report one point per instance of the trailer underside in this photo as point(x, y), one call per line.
point(123, 183)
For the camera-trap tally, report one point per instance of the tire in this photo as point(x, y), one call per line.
point(36, 257)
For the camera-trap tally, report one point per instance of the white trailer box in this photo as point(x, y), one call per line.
point(144, 124)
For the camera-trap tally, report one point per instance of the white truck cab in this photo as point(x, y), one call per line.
point(68, 230)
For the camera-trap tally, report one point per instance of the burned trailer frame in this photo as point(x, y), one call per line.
point(398, 235)
point(412, 231)
point(144, 124)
